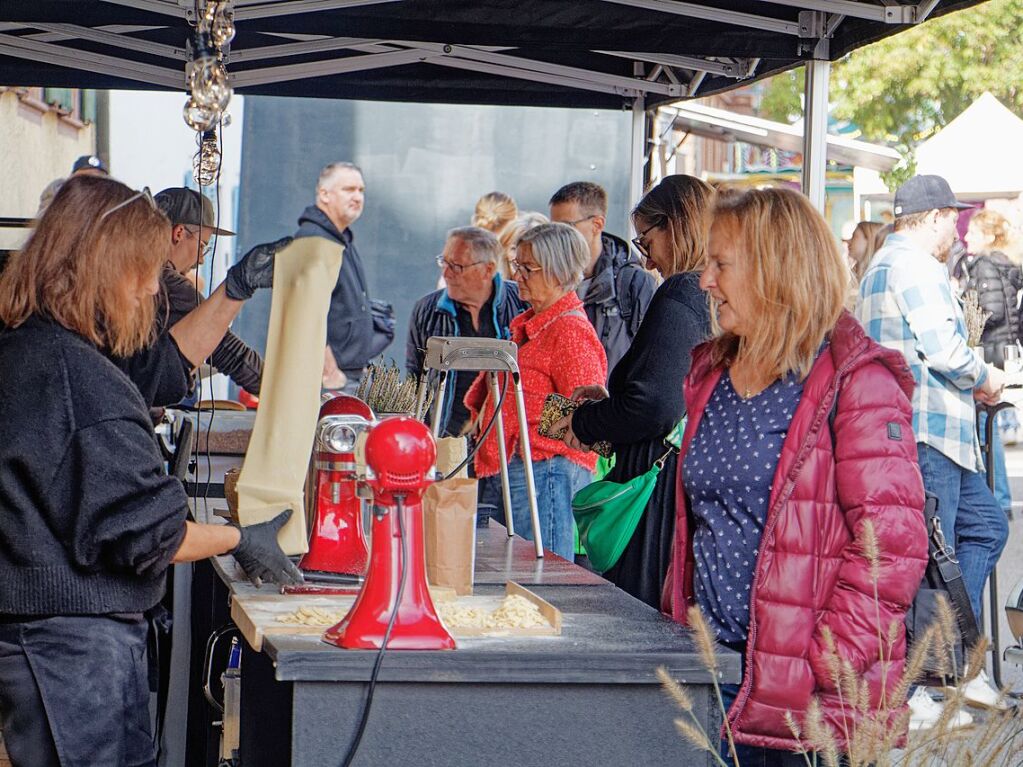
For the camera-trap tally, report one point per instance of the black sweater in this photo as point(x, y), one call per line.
point(646, 385)
point(89, 520)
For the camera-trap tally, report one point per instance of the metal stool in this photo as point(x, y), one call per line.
point(987, 449)
point(492, 356)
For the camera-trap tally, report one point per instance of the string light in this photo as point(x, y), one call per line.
point(206, 163)
point(205, 74)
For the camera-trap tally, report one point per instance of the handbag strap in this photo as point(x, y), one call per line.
point(944, 563)
point(672, 441)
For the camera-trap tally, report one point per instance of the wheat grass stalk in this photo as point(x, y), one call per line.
point(690, 728)
point(705, 646)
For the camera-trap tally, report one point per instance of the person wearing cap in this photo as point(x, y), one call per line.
point(86, 165)
point(193, 223)
point(906, 302)
point(358, 328)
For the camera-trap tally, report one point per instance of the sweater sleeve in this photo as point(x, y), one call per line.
point(873, 438)
point(581, 361)
point(236, 359)
point(415, 346)
point(651, 401)
point(129, 515)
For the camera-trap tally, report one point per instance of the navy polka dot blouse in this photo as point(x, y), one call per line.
point(727, 474)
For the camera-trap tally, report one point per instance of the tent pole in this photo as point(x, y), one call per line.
point(638, 153)
point(815, 131)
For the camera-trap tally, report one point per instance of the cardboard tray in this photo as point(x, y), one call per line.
point(256, 613)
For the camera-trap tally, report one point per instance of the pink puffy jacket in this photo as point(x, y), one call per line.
point(811, 571)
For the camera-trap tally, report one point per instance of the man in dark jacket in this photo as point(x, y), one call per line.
point(354, 337)
point(616, 289)
point(192, 224)
point(476, 303)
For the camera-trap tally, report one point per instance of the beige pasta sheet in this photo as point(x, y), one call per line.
point(274, 472)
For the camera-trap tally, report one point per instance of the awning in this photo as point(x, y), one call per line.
point(576, 53)
point(721, 124)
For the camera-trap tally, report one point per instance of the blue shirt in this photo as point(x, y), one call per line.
point(727, 473)
point(906, 303)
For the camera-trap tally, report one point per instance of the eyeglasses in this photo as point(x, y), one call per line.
point(145, 193)
point(638, 240)
point(206, 247)
point(456, 268)
point(580, 220)
point(526, 270)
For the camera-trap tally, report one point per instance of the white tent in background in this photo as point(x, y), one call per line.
point(979, 152)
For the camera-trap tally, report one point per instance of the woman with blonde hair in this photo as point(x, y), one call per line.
point(861, 246)
point(643, 400)
point(512, 233)
point(91, 520)
point(494, 211)
point(997, 280)
point(800, 532)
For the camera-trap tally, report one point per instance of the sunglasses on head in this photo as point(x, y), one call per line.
point(145, 194)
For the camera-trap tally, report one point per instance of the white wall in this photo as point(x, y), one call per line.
point(150, 145)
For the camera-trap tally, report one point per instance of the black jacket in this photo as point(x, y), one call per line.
point(617, 297)
point(645, 404)
point(350, 332)
point(232, 357)
point(997, 281)
point(434, 315)
point(90, 520)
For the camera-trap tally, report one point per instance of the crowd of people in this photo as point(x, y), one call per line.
point(819, 397)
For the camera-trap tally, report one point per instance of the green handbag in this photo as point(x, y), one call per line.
point(607, 513)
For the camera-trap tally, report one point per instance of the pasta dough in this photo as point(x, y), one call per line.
point(311, 616)
point(274, 473)
point(514, 612)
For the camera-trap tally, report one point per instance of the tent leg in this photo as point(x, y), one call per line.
point(638, 152)
point(815, 131)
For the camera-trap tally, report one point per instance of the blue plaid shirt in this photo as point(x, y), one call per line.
point(906, 303)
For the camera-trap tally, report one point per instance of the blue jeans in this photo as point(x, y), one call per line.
point(557, 479)
point(965, 505)
point(1002, 493)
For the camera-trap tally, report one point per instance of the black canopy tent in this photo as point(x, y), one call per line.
point(610, 54)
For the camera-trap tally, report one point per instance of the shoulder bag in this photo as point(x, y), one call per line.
point(607, 513)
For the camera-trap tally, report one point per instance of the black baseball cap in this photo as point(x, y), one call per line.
point(923, 193)
point(89, 161)
point(187, 206)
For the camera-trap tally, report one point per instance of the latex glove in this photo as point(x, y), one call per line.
point(261, 556)
point(590, 392)
point(254, 270)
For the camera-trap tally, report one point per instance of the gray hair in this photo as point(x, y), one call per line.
point(560, 251)
point(513, 232)
point(484, 245)
point(328, 172)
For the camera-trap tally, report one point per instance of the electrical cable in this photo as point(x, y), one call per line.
point(484, 434)
point(353, 749)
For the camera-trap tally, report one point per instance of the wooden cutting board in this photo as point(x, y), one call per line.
point(256, 613)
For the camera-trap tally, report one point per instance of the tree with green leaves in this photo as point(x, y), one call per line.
point(905, 88)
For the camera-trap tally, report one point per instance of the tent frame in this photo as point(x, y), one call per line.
point(657, 76)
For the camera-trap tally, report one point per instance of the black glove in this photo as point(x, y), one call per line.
point(255, 270)
point(260, 555)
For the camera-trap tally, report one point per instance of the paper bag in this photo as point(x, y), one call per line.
point(451, 451)
point(449, 522)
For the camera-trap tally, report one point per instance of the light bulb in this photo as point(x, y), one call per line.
point(206, 163)
point(198, 117)
point(222, 28)
point(208, 82)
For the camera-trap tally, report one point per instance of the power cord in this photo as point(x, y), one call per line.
point(353, 749)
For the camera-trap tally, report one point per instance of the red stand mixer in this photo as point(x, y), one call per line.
point(338, 546)
point(395, 602)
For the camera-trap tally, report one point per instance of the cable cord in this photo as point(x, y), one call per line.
point(483, 435)
point(353, 749)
